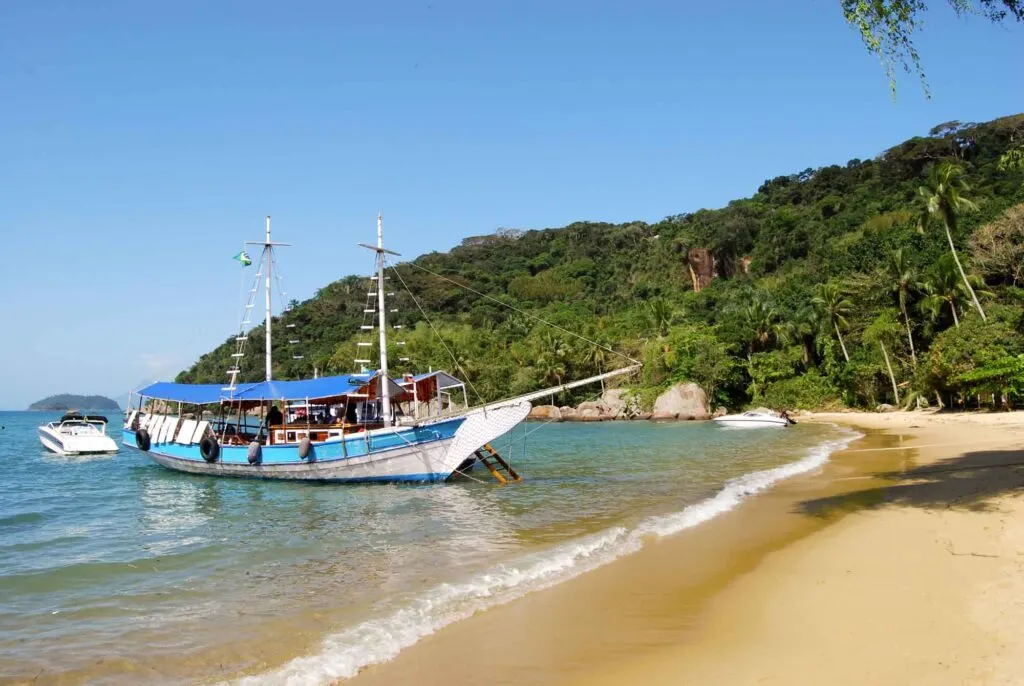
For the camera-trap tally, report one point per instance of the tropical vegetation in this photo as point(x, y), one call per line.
point(897, 279)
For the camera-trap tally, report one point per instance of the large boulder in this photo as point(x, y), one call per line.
point(568, 413)
point(547, 413)
point(588, 414)
point(682, 401)
point(618, 404)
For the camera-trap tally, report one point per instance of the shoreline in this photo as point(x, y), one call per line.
point(703, 601)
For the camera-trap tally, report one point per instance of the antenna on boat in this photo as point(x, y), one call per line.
point(385, 392)
point(267, 260)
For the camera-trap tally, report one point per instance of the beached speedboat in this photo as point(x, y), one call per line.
point(752, 420)
point(359, 427)
point(77, 434)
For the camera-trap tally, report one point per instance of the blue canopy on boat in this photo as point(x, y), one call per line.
point(207, 394)
point(324, 387)
point(196, 394)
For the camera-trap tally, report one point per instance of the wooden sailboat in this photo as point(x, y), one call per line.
point(359, 436)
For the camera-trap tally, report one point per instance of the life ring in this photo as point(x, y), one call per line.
point(209, 448)
point(255, 453)
point(142, 439)
point(305, 447)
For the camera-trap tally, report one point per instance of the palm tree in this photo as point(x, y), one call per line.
point(942, 196)
point(944, 288)
point(551, 358)
point(806, 324)
point(834, 304)
point(596, 356)
point(885, 329)
point(764, 325)
point(660, 315)
point(903, 280)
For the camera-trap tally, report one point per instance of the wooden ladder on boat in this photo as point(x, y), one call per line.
point(500, 469)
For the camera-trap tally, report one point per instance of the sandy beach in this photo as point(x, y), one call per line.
point(898, 562)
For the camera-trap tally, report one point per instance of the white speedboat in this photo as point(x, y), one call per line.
point(752, 420)
point(77, 434)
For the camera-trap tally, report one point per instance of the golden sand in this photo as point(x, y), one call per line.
point(898, 562)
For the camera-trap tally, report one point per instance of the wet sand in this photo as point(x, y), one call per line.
point(897, 562)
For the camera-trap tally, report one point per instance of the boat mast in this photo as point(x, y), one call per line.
point(268, 249)
point(385, 391)
point(267, 261)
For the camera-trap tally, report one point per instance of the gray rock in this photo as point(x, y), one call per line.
point(682, 401)
point(618, 404)
point(885, 407)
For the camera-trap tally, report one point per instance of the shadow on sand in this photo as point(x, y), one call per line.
point(966, 482)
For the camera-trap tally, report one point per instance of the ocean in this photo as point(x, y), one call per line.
point(115, 570)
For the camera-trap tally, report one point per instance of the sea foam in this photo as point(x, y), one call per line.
point(344, 654)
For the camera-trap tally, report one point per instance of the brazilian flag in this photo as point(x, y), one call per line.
point(244, 258)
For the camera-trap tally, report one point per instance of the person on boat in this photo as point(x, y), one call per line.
point(785, 415)
point(274, 416)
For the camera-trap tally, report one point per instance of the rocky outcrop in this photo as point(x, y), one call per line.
point(614, 403)
point(545, 413)
point(682, 401)
point(702, 268)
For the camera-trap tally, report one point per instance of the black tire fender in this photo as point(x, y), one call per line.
point(210, 449)
point(142, 440)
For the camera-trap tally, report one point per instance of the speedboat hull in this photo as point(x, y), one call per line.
point(63, 444)
point(422, 453)
point(748, 422)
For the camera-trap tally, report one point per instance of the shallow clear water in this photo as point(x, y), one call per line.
point(112, 566)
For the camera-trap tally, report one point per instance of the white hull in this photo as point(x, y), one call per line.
point(409, 463)
point(64, 444)
point(432, 460)
point(749, 421)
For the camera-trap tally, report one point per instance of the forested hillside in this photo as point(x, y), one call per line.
point(70, 401)
point(827, 286)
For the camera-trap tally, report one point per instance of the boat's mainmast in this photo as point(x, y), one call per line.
point(270, 261)
point(385, 392)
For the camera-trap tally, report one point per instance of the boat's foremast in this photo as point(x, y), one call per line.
point(267, 260)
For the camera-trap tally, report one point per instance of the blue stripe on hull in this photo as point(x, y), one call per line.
point(325, 455)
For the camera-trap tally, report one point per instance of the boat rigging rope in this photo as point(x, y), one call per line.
point(513, 307)
point(437, 333)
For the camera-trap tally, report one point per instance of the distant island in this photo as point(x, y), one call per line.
point(69, 401)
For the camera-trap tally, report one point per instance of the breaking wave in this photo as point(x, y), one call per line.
point(344, 654)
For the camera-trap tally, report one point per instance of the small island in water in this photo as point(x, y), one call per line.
point(69, 401)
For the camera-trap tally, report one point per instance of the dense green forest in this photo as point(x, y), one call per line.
point(829, 286)
point(69, 401)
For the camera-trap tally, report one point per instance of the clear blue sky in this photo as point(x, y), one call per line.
point(141, 143)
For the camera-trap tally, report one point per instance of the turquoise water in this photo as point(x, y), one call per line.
point(113, 569)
